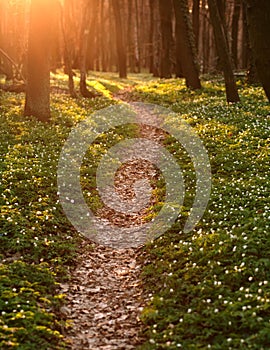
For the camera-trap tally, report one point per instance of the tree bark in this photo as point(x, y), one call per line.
point(65, 25)
point(130, 38)
point(235, 30)
point(83, 50)
point(248, 59)
point(92, 36)
point(103, 48)
point(223, 52)
point(137, 38)
point(205, 38)
point(165, 13)
point(245, 37)
point(38, 66)
point(196, 20)
point(121, 50)
point(156, 39)
point(185, 44)
point(151, 37)
point(258, 17)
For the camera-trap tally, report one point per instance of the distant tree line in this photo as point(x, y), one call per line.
point(181, 38)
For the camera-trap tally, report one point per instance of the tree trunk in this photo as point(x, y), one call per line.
point(196, 20)
point(205, 38)
point(252, 75)
point(222, 8)
point(165, 13)
point(56, 32)
point(258, 16)
point(151, 37)
point(156, 39)
point(130, 36)
point(235, 30)
point(65, 25)
point(104, 50)
point(38, 66)
point(137, 38)
point(92, 37)
point(97, 31)
point(185, 45)
point(245, 37)
point(223, 52)
point(83, 50)
point(121, 50)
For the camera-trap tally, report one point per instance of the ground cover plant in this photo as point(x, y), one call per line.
point(38, 244)
point(209, 288)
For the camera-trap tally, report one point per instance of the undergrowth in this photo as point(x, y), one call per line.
point(38, 244)
point(209, 288)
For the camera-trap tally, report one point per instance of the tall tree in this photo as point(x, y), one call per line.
point(37, 101)
point(66, 26)
point(235, 30)
point(185, 44)
point(165, 13)
point(121, 50)
point(196, 20)
point(156, 38)
point(204, 42)
point(258, 16)
point(130, 36)
point(85, 30)
point(151, 36)
point(245, 37)
point(223, 52)
point(137, 38)
point(103, 48)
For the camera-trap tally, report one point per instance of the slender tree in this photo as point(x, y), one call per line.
point(151, 36)
point(156, 38)
point(103, 48)
point(92, 33)
point(258, 16)
point(196, 20)
point(85, 29)
point(204, 46)
point(165, 13)
point(247, 54)
point(185, 44)
point(121, 50)
point(66, 24)
point(223, 52)
point(245, 37)
point(130, 36)
point(137, 38)
point(235, 30)
point(37, 101)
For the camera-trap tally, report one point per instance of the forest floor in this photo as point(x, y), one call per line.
point(209, 288)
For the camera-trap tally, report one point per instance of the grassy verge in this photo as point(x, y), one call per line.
point(210, 288)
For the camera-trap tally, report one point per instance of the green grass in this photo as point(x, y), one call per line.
point(209, 288)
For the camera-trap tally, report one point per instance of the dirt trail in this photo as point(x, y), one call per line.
point(105, 299)
point(105, 294)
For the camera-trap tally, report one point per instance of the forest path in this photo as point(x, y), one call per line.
point(104, 299)
point(105, 294)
